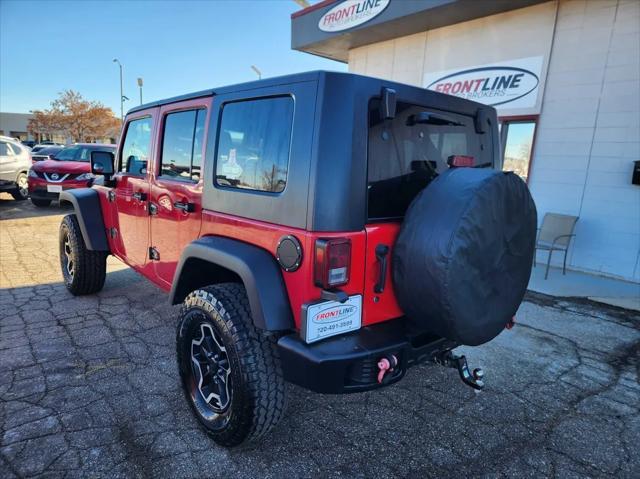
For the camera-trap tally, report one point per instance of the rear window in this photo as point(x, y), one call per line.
point(407, 152)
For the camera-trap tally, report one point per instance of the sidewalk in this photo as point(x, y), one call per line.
point(583, 285)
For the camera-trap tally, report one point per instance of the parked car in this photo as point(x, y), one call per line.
point(69, 168)
point(29, 143)
point(44, 144)
point(15, 160)
point(45, 153)
point(327, 229)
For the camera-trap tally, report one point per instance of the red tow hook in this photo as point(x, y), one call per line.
point(386, 365)
point(511, 323)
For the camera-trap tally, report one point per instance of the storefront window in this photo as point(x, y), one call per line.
point(517, 141)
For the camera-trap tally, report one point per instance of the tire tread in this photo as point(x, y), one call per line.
point(258, 355)
point(90, 267)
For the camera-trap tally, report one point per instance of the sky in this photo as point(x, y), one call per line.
point(177, 47)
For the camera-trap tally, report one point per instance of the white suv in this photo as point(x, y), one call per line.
point(15, 161)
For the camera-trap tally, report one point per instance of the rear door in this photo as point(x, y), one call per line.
point(402, 161)
point(132, 187)
point(9, 161)
point(6, 161)
point(176, 183)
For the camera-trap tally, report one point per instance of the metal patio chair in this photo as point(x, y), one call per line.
point(555, 234)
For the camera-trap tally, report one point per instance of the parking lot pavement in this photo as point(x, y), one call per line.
point(89, 387)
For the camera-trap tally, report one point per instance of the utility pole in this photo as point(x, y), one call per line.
point(140, 85)
point(115, 60)
point(258, 72)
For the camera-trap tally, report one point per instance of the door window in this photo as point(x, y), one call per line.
point(517, 141)
point(182, 145)
point(253, 144)
point(137, 143)
point(4, 149)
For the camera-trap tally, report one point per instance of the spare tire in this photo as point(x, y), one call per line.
point(464, 253)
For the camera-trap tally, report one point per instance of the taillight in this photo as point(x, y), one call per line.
point(459, 161)
point(332, 262)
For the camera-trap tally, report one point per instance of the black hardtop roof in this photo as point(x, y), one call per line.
point(280, 80)
point(287, 79)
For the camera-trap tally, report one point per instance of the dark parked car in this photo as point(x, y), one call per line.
point(45, 153)
point(44, 144)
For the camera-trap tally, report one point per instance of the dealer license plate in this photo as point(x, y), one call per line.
point(329, 318)
point(54, 188)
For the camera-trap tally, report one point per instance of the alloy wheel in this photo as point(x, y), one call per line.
point(68, 255)
point(211, 368)
point(23, 186)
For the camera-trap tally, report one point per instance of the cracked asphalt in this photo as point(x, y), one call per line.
point(89, 387)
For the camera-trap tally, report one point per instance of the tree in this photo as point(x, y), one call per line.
point(77, 118)
point(43, 124)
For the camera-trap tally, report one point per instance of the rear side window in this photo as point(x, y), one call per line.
point(17, 150)
point(182, 145)
point(137, 143)
point(4, 149)
point(253, 144)
point(405, 155)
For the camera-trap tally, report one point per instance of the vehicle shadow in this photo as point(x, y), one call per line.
point(11, 209)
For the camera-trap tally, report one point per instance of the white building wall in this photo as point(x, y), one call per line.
point(589, 127)
point(589, 133)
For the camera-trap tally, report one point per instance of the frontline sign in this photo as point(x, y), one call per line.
point(513, 84)
point(351, 13)
point(328, 318)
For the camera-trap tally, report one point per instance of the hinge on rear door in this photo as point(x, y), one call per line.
point(113, 233)
point(112, 196)
point(154, 254)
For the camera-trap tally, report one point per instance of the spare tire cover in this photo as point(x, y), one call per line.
point(464, 253)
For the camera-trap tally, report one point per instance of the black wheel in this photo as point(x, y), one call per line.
point(84, 271)
point(230, 371)
point(40, 203)
point(21, 192)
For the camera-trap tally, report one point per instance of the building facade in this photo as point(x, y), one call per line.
point(563, 75)
point(15, 125)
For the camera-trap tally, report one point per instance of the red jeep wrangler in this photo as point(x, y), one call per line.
point(327, 229)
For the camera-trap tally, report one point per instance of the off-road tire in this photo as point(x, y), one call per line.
point(40, 203)
point(89, 267)
point(257, 388)
point(21, 192)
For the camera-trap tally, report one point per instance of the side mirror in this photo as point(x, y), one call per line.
point(102, 163)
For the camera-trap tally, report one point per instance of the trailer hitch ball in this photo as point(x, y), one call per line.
point(473, 379)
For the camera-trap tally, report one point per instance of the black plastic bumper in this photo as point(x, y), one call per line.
point(43, 194)
point(6, 185)
point(348, 363)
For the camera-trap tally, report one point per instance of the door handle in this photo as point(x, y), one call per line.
point(382, 251)
point(139, 195)
point(184, 206)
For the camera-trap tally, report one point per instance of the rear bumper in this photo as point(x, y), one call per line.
point(7, 185)
point(348, 363)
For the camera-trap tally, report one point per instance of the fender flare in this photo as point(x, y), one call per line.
point(256, 268)
point(86, 204)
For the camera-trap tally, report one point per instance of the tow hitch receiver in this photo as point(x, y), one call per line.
point(450, 360)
